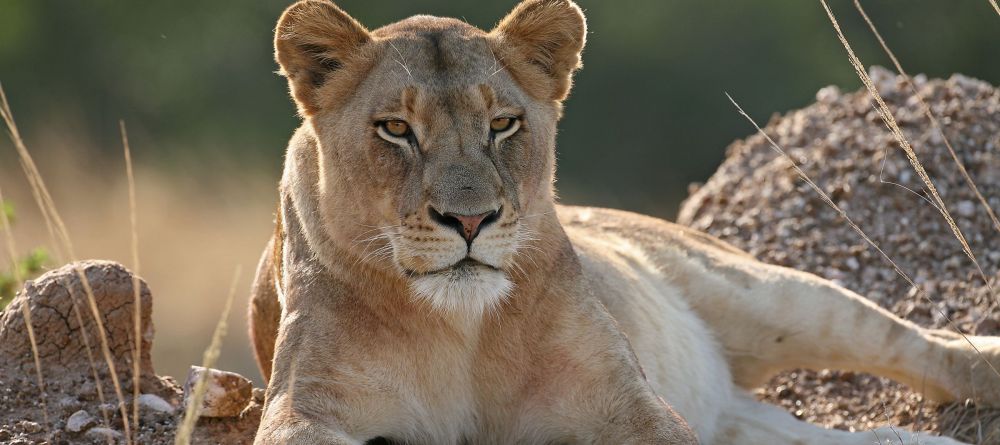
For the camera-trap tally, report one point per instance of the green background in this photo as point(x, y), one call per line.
point(647, 115)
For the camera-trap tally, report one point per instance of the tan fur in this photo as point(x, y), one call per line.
point(378, 328)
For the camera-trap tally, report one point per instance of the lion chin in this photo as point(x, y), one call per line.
point(469, 288)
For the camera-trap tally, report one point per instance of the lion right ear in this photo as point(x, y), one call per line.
point(314, 39)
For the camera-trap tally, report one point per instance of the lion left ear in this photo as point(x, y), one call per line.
point(541, 41)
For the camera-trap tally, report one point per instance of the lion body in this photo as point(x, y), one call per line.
point(379, 313)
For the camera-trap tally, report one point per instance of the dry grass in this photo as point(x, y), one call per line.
point(197, 237)
point(890, 122)
point(25, 308)
point(930, 116)
point(136, 289)
point(47, 205)
point(90, 356)
point(192, 411)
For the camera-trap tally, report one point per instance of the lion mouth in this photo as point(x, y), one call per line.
point(466, 266)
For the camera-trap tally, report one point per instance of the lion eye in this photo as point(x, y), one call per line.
point(396, 128)
point(502, 124)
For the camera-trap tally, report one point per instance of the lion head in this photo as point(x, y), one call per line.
point(435, 139)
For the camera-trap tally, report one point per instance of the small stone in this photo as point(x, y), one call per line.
point(4, 434)
point(80, 421)
point(104, 434)
point(69, 403)
point(966, 208)
point(258, 395)
point(31, 427)
point(155, 403)
point(226, 395)
point(828, 94)
point(852, 263)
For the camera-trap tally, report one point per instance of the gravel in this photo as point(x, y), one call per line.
point(757, 202)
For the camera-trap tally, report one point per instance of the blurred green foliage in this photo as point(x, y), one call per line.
point(8, 210)
point(647, 115)
point(24, 268)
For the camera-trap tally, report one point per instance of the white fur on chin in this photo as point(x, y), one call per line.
point(469, 291)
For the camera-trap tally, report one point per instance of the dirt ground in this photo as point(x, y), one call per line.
point(79, 407)
point(757, 202)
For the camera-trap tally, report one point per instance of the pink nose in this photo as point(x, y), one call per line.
point(470, 223)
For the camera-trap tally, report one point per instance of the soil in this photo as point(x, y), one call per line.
point(757, 202)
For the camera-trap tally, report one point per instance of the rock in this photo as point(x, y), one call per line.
point(31, 427)
point(54, 299)
point(966, 208)
point(828, 94)
point(69, 403)
point(155, 403)
point(226, 395)
point(51, 298)
point(104, 434)
point(80, 421)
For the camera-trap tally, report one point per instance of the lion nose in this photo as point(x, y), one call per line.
point(466, 225)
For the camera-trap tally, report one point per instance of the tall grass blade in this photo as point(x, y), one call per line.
point(911, 156)
point(90, 355)
point(48, 207)
point(136, 290)
point(829, 201)
point(186, 428)
point(930, 116)
point(25, 309)
point(31, 173)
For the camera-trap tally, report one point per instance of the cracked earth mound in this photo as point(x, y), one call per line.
point(75, 407)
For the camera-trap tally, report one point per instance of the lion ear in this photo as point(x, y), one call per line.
point(313, 39)
point(545, 38)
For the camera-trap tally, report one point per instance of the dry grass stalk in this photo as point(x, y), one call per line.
point(829, 201)
point(47, 205)
point(136, 290)
point(106, 351)
point(90, 356)
point(930, 116)
point(911, 156)
point(191, 412)
point(30, 171)
point(995, 6)
point(25, 309)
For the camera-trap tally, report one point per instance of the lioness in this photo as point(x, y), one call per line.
point(423, 287)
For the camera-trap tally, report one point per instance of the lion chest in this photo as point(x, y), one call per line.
point(423, 390)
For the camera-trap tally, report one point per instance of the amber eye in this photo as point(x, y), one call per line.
point(396, 128)
point(502, 124)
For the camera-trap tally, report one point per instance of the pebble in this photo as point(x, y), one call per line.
point(226, 395)
point(80, 421)
point(104, 434)
point(155, 403)
point(31, 427)
point(966, 208)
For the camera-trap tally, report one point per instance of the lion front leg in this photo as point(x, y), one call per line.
point(966, 367)
point(281, 424)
